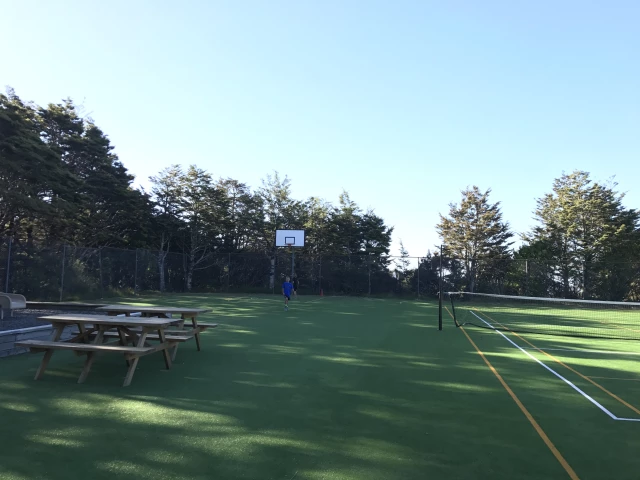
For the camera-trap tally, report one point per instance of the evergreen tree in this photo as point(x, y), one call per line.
point(403, 261)
point(203, 209)
point(110, 211)
point(243, 219)
point(582, 229)
point(35, 187)
point(475, 233)
point(281, 212)
point(167, 193)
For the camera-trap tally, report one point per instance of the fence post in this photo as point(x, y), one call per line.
point(369, 268)
point(184, 270)
point(440, 294)
point(100, 266)
point(228, 272)
point(64, 255)
point(135, 278)
point(320, 276)
point(418, 277)
point(6, 282)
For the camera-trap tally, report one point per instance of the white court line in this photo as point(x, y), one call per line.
point(568, 382)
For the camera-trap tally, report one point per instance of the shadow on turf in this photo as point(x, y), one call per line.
point(562, 322)
point(266, 400)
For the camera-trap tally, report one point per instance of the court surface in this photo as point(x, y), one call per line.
point(335, 388)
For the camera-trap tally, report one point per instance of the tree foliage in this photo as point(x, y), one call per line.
point(62, 183)
point(583, 231)
point(475, 233)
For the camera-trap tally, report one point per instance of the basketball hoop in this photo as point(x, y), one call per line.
point(291, 239)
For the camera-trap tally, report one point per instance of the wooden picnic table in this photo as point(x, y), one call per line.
point(165, 312)
point(95, 328)
point(153, 311)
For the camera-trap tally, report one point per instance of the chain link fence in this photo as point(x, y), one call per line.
point(610, 281)
point(67, 273)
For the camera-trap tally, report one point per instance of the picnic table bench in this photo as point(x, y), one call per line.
point(193, 329)
point(97, 329)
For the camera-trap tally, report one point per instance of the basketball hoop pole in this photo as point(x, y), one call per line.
point(291, 239)
point(293, 260)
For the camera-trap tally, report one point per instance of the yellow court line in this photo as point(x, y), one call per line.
point(618, 327)
point(572, 474)
point(616, 378)
point(612, 395)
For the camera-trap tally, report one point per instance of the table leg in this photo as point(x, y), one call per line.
point(180, 326)
point(123, 341)
point(134, 362)
point(165, 352)
point(123, 337)
point(197, 335)
point(83, 336)
point(91, 355)
point(58, 328)
point(83, 332)
point(174, 353)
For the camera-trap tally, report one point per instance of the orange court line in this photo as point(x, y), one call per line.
point(616, 378)
point(612, 395)
point(536, 426)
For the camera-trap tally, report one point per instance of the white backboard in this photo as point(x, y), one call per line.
point(293, 238)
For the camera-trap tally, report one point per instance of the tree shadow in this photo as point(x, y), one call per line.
point(354, 396)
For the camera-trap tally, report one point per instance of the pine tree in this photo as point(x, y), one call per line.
point(281, 212)
point(403, 264)
point(475, 233)
point(35, 186)
point(582, 228)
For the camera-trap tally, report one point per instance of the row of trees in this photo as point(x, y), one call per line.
point(62, 183)
point(586, 244)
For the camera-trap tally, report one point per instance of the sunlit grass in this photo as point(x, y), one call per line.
point(336, 388)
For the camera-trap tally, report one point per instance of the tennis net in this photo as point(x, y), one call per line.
point(552, 316)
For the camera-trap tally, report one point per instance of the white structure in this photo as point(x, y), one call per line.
point(11, 302)
point(289, 238)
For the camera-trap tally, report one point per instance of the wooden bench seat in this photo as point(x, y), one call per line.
point(38, 345)
point(152, 336)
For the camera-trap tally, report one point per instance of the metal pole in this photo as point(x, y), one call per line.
point(369, 265)
point(293, 261)
point(135, 280)
point(418, 276)
point(6, 282)
point(320, 276)
point(440, 294)
point(228, 272)
point(100, 265)
point(64, 256)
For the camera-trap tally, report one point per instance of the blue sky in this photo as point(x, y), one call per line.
point(403, 104)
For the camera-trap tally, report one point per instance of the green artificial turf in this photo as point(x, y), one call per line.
point(335, 388)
